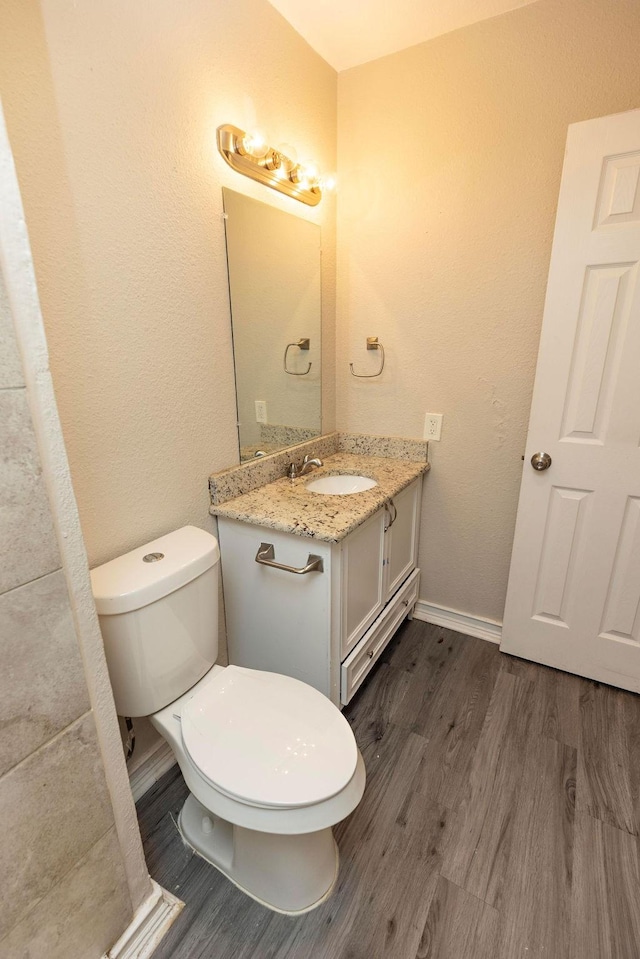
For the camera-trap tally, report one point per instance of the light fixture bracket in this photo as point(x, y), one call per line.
point(268, 169)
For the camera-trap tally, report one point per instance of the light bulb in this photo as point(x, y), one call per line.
point(255, 145)
point(309, 169)
point(328, 182)
point(300, 177)
point(289, 156)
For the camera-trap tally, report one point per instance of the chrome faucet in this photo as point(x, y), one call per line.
point(307, 464)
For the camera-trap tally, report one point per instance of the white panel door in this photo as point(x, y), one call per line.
point(574, 588)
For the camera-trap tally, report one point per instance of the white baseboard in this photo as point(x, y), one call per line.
point(151, 769)
point(148, 926)
point(460, 622)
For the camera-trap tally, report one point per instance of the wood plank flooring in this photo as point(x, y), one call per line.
point(500, 821)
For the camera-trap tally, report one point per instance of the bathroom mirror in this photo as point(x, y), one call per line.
point(274, 284)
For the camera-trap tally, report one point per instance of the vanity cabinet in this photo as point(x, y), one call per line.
point(325, 627)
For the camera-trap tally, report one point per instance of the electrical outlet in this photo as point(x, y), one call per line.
point(261, 411)
point(432, 426)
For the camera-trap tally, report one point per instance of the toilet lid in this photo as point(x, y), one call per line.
point(267, 739)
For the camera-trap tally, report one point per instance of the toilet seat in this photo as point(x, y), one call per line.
point(268, 740)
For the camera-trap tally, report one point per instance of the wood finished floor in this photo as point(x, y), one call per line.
point(500, 821)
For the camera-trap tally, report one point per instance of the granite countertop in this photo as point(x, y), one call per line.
point(289, 506)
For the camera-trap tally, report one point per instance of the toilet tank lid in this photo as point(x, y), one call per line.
point(130, 582)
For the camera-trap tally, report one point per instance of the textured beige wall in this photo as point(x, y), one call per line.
point(450, 156)
point(60, 835)
point(112, 110)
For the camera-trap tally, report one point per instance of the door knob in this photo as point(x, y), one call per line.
point(541, 461)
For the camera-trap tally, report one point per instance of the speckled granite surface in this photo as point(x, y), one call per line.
point(248, 453)
point(394, 447)
point(290, 507)
point(286, 435)
point(228, 484)
point(257, 472)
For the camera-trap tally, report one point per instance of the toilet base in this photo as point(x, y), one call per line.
point(289, 874)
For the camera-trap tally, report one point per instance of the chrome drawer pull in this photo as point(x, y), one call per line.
point(266, 557)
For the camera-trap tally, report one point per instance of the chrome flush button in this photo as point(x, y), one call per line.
point(152, 557)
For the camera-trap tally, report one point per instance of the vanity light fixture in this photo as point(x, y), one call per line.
point(251, 155)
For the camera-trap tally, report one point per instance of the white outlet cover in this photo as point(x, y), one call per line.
point(433, 427)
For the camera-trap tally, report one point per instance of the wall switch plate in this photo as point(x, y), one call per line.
point(432, 426)
point(261, 411)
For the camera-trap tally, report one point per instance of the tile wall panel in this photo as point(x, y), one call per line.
point(42, 685)
point(11, 374)
point(26, 528)
point(54, 806)
point(83, 915)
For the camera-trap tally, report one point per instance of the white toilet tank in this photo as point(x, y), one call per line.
point(158, 611)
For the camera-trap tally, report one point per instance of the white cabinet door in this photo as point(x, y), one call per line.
point(573, 600)
point(305, 625)
point(362, 579)
point(402, 538)
point(276, 620)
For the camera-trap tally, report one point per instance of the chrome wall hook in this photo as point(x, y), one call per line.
point(372, 344)
point(302, 344)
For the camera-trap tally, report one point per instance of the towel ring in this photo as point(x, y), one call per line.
point(302, 344)
point(372, 344)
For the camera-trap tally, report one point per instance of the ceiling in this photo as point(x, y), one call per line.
point(348, 32)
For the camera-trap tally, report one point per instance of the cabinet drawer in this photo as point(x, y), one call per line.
point(367, 652)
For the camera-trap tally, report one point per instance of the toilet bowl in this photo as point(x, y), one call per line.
point(271, 764)
point(259, 813)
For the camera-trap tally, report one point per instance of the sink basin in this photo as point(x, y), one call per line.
point(340, 485)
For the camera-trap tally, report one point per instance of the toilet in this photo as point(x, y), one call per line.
point(271, 764)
